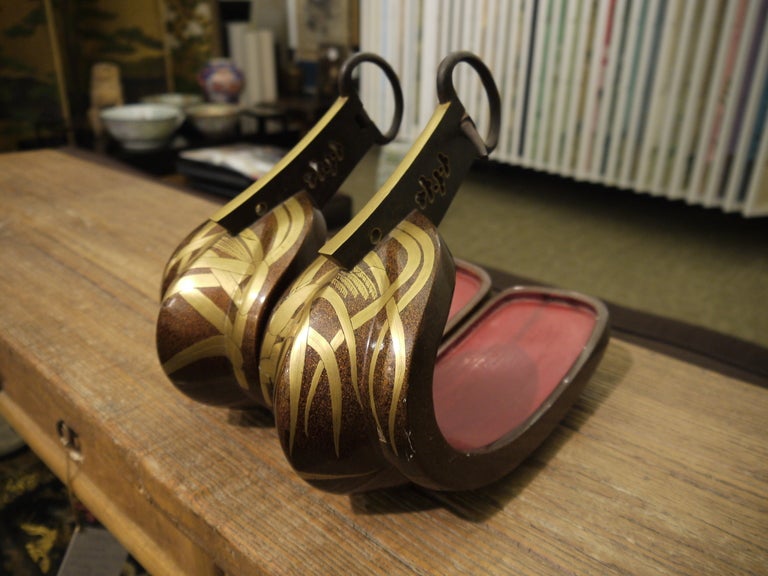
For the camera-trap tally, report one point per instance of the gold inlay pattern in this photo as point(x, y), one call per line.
point(291, 336)
point(238, 265)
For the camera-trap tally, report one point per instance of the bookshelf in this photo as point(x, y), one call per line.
point(660, 97)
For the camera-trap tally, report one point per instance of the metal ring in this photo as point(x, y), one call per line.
point(446, 92)
point(346, 88)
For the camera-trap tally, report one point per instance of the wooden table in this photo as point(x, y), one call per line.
point(661, 467)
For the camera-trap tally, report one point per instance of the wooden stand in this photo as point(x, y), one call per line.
point(660, 467)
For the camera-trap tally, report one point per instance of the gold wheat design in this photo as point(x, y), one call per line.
point(235, 259)
point(294, 315)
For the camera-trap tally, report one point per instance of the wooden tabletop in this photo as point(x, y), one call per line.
point(661, 467)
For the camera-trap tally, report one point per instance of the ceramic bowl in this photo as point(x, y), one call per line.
point(215, 120)
point(178, 99)
point(142, 126)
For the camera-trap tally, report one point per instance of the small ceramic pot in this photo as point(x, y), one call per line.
point(221, 80)
point(215, 120)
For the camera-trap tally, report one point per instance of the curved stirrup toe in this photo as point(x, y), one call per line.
point(224, 278)
point(367, 393)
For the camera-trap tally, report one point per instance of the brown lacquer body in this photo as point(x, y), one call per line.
point(367, 394)
point(216, 294)
point(222, 281)
point(345, 346)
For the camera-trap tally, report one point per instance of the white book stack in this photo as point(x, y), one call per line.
point(666, 97)
point(260, 66)
point(253, 51)
point(236, 40)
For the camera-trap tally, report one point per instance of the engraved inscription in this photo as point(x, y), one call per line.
point(355, 284)
point(431, 187)
point(327, 166)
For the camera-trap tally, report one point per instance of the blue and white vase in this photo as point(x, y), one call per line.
point(221, 80)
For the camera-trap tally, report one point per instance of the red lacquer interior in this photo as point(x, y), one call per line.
point(505, 366)
point(467, 285)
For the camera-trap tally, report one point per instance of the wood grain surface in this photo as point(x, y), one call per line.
point(660, 468)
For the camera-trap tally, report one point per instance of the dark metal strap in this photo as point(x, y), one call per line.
point(323, 159)
point(431, 173)
point(446, 93)
point(346, 88)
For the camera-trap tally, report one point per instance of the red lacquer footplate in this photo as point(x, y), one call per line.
point(509, 362)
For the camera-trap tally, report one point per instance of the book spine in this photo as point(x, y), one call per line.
point(703, 158)
point(563, 86)
point(674, 106)
point(722, 155)
point(549, 81)
point(508, 42)
point(659, 98)
point(640, 87)
point(616, 139)
point(695, 97)
point(614, 41)
point(577, 87)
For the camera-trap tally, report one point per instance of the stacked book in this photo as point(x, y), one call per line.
point(252, 49)
point(663, 97)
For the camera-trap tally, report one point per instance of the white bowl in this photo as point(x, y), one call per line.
point(178, 99)
point(215, 120)
point(142, 126)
